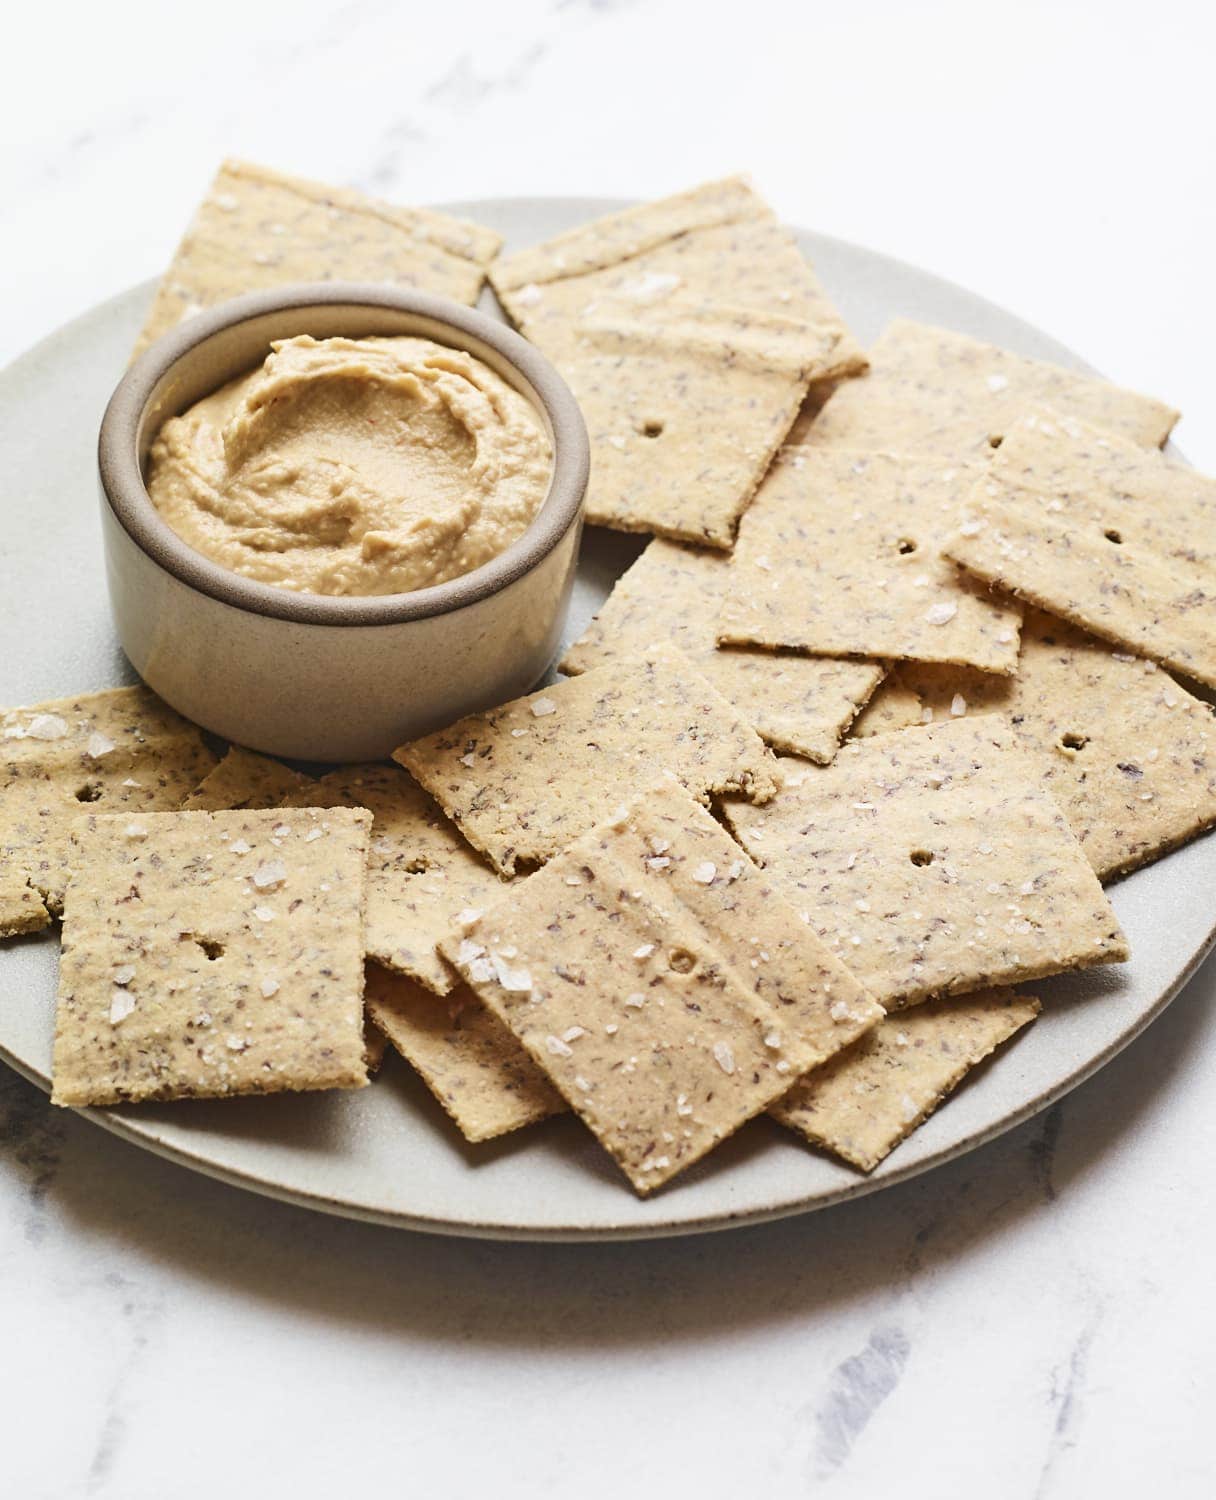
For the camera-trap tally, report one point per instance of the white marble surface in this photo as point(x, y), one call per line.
point(1035, 1320)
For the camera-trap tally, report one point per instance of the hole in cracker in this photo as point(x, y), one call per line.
point(90, 792)
point(1073, 742)
point(995, 439)
point(210, 947)
point(681, 961)
point(906, 545)
point(921, 857)
point(652, 429)
point(1112, 535)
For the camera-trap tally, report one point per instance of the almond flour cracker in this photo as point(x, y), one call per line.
point(119, 750)
point(421, 875)
point(524, 780)
point(933, 862)
point(244, 780)
point(838, 556)
point(937, 391)
point(257, 229)
point(1114, 538)
point(1127, 754)
point(867, 1099)
point(468, 1059)
point(662, 982)
point(673, 593)
point(211, 954)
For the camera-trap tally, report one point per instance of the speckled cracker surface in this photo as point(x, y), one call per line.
point(1117, 539)
point(119, 750)
point(22, 909)
point(839, 556)
point(242, 780)
point(1127, 754)
point(523, 781)
point(673, 593)
point(867, 1099)
point(210, 954)
point(930, 389)
point(933, 861)
point(662, 982)
point(257, 229)
point(420, 873)
point(470, 1061)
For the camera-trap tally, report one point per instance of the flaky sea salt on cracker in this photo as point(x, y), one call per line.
point(420, 873)
point(838, 555)
point(243, 780)
point(469, 1060)
point(257, 229)
point(119, 750)
point(522, 785)
point(673, 593)
point(933, 861)
point(185, 975)
point(1114, 538)
point(1128, 755)
point(867, 1099)
point(932, 390)
point(662, 982)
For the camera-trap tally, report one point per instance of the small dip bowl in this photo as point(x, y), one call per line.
point(310, 676)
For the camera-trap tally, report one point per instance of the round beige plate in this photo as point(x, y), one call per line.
point(388, 1152)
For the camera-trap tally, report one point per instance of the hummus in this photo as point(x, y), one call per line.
point(353, 466)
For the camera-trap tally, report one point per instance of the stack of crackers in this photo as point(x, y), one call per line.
point(949, 585)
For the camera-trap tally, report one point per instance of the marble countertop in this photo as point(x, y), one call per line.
point(1031, 1321)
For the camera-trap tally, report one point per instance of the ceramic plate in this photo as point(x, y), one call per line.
point(388, 1153)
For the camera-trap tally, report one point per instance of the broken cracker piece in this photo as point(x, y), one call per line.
point(244, 780)
point(21, 907)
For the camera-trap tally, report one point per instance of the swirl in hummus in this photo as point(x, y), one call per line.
point(353, 466)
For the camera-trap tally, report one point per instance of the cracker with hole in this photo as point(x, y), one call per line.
point(933, 390)
point(242, 780)
point(421, 875)
point(257, 228)
point(1091, 527)
point(862, 1103)
point(933, 862)
point(472, 1063)
point(208, 954)
point(673, 593)
point(524, 780)
point(662, 982)
point(838, 556)
point(121, 750)
point(1127, 754)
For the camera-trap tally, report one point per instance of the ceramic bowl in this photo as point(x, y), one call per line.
point(308, 676)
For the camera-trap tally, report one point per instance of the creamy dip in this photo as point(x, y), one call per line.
point(353, 466)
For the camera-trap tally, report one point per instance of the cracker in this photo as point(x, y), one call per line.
point(1114, 538)
point(1128, 756)
point(673, 593)
point(468, 1059)
point(524, 780)
point(257, 228)
point(839, 556)
point(207, 954)
point(244, 780)
point(662, 982)
point(421, 875)
point(867, 1099)
point(375, 1043)
point(122, 750)
point(933, 862)
point(22, 909)
point(933, 390)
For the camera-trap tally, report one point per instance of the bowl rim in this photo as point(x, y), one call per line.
point(126, 494)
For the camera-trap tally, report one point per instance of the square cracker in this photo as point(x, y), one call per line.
point(1127, 754)
point(122, 750)
point(524, 780)
point(1089, 526)
point(469, 1060)
point(673, 593)
point(933, 862)
point(662, 982)
point(209, 954)
point(839, 556)
point(420, 873)
point(257, 228)
point(865, 1100)
point(933, 390)
point(244, 780)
